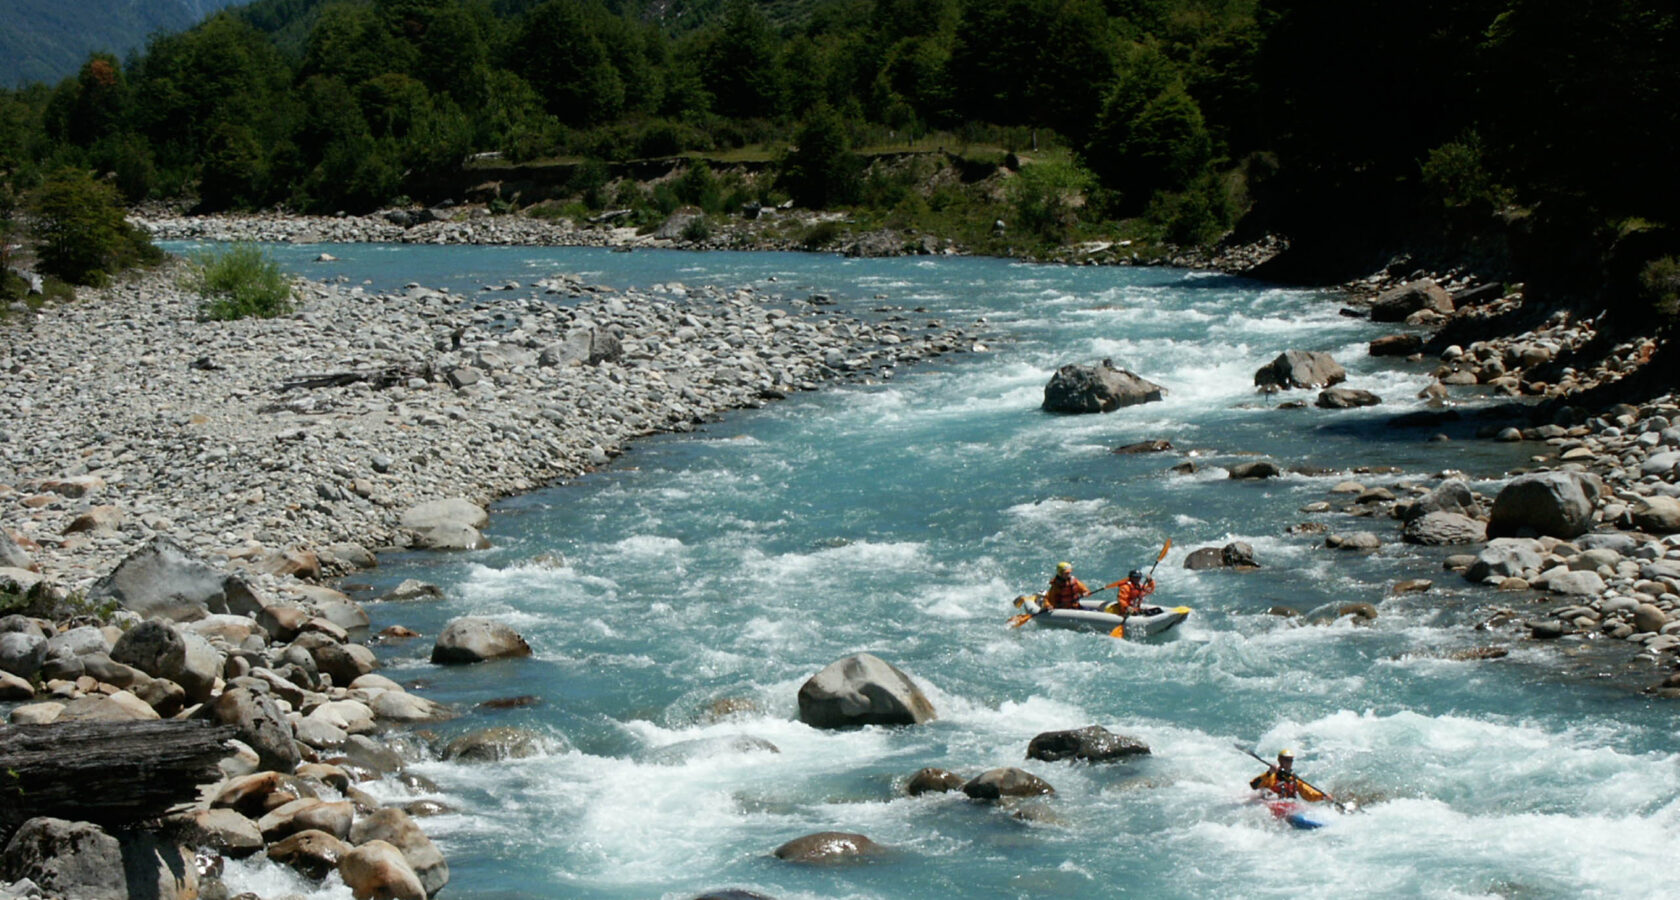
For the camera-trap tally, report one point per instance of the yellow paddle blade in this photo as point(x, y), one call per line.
point(1118, 632)
point(1018, 621)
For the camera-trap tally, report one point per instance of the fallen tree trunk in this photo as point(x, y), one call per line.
point(110, 773)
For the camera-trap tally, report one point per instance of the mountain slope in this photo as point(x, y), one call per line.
point(45, 40)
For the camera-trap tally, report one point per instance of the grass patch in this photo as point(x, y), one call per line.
point(240, 282)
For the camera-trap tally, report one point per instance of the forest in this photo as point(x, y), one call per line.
point(1524, 138)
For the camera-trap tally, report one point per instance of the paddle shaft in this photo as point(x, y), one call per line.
point(1270, 765)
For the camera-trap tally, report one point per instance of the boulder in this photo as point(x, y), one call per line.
point(582, 346)
point(413, 589)
point(163, 580)
point(451, 524)
point(1505, 558)
point(14, 688)
point(66, 859)
point(862, 690)
point(1299, 369)
point(1557, 504)
point(472, 639)
point(1656, 514)
point(1396, 345)
point(1649, 617)
point(1575, 583)
point(1256, 469)
point(1438, 529)
point(306, 814)
point(1353, 540)
point(154, 647)
point(123, 706)
point(395, 827)
point(933, 781)
point(1099, 388)
point(1396, 304)
point(1345, 398)
point(995, 784)
point(827, 848)
point(377, 871)
point(1155, 446)
point(1093, 743)
point(702, 748)
point(1235, 555)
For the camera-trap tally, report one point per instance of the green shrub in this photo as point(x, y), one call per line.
point(241, 282)
point(821, 235)
point(697, 229)
point(80, 229)
point(1660, 281)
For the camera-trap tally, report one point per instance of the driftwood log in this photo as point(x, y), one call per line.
point(109, 773)
point(379, 378)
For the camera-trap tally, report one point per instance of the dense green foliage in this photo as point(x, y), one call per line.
point(1362, 129)
point(80, 232)
point(240, 282)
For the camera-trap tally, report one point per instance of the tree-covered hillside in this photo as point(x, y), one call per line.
point(1523, 136)
point(45, 40)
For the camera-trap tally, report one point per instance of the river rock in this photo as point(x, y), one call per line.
point(1437, 529)
point(933, 781)
point(1396, 304)
point(1451, 495)
point(307, 813)
point(828, 848)
point(1557, 504)
point(66, 859)
point(1155, 446)
point(14, 688)
point(1346, 398)
point(22, 654)
point(451, 524)
point(995, 784)
point(1099, 388)
point(12, 555)
point(702, 748)
point(496, 744)
point(226, 831)
point(1093, 743)
point(413, 589)
point(259, 723)
point(1356, 540)
point(1299, 369)
point(312, 852)
point(1396, 345)
point(1235, 555)
point(395, 827)
point(1256, 469)
point(163, 580)
point(378, 870)
point(1656, 514)
point(1505, 558)
point(1574, 583)
point(1649, 617)
point(862, 690)
point(472, 639)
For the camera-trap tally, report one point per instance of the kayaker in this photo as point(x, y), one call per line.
point(1064, 590)
point(1281, 780)
point(1129, 594)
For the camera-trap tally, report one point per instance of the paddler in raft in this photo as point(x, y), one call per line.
point(1129, 594)
point(1282, 781)
point(1065, 591)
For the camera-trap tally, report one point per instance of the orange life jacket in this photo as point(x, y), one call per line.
point(1064, 592)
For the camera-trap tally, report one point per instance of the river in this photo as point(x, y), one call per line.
point(722, 568)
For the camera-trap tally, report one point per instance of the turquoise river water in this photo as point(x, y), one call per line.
point(900, 518)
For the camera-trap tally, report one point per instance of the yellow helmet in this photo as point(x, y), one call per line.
point(1286, 754)
point(1063, 567)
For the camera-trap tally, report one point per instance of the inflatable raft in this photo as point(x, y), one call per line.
point(1151, 621)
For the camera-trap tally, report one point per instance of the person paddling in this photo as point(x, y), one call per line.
point(1129, 594)
point(1282, 781)
point(1065, 590)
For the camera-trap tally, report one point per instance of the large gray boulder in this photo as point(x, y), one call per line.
point(451, 524)
point(1656, 514)
point(1439, 529)
point(1557, 504)
point(1299, 369)
point(472, 639)
point(163, 580)
point(1345, 398)
point(66, 859)
point(154, 647)
point(995, 784)
point(1099, 388)
point(1235, 555)
point(396, 828)
point(1395, 304)
point(584, 345)
point(862, 690)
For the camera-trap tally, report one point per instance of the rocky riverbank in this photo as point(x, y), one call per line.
point(173, 493)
